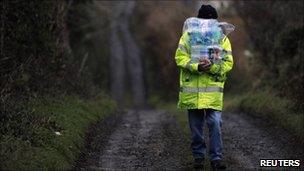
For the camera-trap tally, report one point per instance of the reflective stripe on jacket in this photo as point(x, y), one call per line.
point(201, 90)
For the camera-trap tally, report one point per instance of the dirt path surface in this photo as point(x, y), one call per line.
point(246, 140)
point(152, 140)
point(145, 139)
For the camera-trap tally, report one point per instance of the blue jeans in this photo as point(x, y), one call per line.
point(213, 118)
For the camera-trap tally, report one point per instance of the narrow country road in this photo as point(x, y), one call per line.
point(152, 139)
point(145, 139)
point(125, 61)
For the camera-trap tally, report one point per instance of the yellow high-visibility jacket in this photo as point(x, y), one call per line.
point(201, 90)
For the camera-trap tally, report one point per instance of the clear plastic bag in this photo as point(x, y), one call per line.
point(205, 37)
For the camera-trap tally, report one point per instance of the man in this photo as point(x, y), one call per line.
point(201, 93)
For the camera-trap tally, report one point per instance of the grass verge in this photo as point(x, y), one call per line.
point(49, 134)
point(269, 107)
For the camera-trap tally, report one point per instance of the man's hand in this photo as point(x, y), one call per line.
point(204, 64)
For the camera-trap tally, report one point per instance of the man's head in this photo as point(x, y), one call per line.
point(207, 12)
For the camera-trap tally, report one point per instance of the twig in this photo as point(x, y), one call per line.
point(83, 63)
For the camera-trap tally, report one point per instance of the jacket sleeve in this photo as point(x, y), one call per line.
point(224, 67)
point(182, 55)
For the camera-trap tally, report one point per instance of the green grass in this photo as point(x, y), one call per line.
point(29, 141)
point(272, 108)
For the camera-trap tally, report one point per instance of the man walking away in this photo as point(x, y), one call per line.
point(201, 93)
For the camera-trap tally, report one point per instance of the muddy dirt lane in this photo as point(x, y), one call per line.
point(145, 139)
point(247, 140)
point(153, 140)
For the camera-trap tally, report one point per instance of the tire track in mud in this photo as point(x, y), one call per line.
point(144, 140)
point(247, 140)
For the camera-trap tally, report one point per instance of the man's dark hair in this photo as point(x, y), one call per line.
point(207, 12)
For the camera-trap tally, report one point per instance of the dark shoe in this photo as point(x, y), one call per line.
point(218, 165)
point(198, 163)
